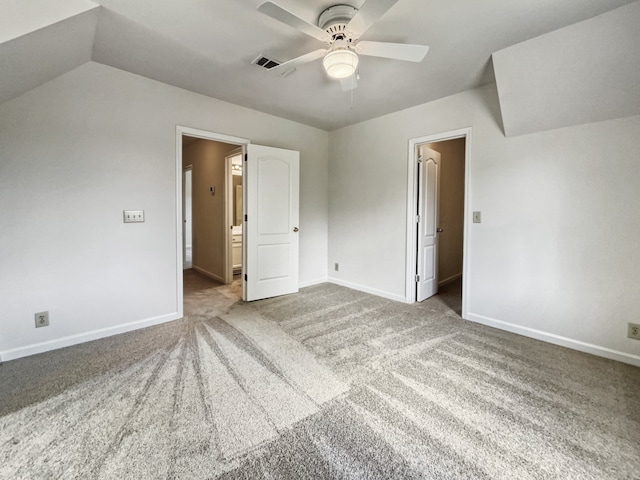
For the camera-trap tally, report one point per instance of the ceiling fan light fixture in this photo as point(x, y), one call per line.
point(340, 63)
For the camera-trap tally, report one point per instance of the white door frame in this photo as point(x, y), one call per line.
point(412, 206)
point(204, 134)
point(188, 168)
point(228, 214)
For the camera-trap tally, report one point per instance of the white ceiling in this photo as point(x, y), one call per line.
point(206, 46)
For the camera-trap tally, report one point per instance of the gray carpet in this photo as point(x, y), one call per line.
point(327, 383)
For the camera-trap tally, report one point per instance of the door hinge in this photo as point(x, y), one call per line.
point(246, 157)
point(418, 218)
point(245, 217)
point(245, 277)
point(420, 158)
point(417, 278)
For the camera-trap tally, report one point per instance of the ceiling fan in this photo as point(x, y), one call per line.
point(340, 28)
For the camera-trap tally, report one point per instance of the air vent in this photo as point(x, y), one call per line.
point(265, 62)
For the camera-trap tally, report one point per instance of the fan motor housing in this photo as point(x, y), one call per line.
point(334, 19)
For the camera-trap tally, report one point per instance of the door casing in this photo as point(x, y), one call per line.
point(228, 214)
point(186, 173)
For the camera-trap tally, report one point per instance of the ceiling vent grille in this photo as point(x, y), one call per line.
point(265, 62)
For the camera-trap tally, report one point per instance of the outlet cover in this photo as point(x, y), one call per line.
point(634, 331)
point(42, 319)
point(336, 267)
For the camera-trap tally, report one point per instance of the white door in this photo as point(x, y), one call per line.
point(271, 223)
point(428, 194)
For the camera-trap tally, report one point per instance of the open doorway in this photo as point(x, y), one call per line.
point(210, 199)
point(204, 199)
point(436, 206)
point(270, 215)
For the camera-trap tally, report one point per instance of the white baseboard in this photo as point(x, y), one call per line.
point(84, 337)
point(208, 274)
point(450, 279)
point(557, 339)
point(310, 283)
point(372, 291)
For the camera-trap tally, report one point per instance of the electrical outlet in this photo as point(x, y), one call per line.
point(42, 319)
point(634, 331)
point(336, 267)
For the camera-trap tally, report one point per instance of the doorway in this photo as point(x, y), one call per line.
point(437, 223)
point(210, 199)
point(205, 153)
point(270, 216)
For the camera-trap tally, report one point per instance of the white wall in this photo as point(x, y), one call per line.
point(77, 151)
point(556, 255)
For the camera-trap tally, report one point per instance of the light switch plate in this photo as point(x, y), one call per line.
point(133, 216)
point(477, 217)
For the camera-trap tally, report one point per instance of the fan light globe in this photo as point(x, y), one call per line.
point(340, 63)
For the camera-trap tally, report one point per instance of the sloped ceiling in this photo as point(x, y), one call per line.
point(41, 55)
point(207, 47)
point(18, 18)
point(586, 72)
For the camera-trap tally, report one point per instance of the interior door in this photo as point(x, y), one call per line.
point(428, 194)
point(271, 222)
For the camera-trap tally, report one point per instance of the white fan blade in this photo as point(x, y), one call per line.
point(349, 83)
point(287, 67)
point(397, 51)
point(278, 13)
point(370, 12)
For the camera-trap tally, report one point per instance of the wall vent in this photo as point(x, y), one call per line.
point(265, 62)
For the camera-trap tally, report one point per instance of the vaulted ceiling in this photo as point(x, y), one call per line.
point(207, 46)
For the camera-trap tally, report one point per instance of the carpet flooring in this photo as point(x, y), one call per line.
point(327, 383)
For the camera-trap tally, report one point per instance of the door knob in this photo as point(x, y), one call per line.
point(295, 229)
point(439, 230)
